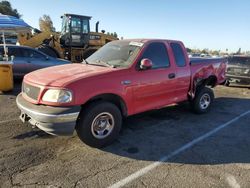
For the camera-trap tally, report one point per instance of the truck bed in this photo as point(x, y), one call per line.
point(204, 68)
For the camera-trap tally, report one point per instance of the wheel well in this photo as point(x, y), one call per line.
point(200, 83)
point(210, 81)
point(112, 98)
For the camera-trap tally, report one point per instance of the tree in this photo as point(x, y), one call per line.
point(215, 52)
point(189, 50)
point(6, 8)
point(205, 51)
point(112, 34)
point(46, 24)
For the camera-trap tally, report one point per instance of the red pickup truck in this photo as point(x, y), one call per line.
point(123, 78)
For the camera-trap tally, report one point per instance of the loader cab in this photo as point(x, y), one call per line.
point(75, 30)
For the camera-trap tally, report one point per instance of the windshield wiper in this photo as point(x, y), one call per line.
point(102, 63)
point(85, 61)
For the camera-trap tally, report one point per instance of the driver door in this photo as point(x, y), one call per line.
point(155, 87)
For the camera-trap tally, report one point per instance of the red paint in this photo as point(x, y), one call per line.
point(149, 89)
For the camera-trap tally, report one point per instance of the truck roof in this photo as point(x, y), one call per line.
point(151, 40)
point(148, 40)
point(77, 15)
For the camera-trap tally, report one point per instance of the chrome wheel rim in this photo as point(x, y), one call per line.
point(102, 125)
point(205, 101)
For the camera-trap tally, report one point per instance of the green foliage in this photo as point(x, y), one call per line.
point(112, 34)
point(6, 8)
point(46, 24)
point(205, 51)
point(215, 52)
point(189, 50)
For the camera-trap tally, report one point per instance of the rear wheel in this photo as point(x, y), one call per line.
point(99, 124)
point(203, 99)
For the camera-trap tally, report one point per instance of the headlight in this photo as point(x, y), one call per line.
point(58, 96)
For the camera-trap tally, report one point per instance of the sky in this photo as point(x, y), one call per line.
point(212, 24)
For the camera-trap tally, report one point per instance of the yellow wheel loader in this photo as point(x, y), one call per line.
point(75, 42)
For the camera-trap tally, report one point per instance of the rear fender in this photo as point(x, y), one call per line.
point(200, 83)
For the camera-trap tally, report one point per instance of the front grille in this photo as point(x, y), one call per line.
point(238, 71)
point(31, 91)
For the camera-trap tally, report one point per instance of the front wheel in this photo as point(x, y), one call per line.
point(99, 124)
point(203, 99)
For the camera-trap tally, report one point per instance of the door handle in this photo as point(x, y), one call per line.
point(171, 75)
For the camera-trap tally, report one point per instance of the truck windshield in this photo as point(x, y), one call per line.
point(116, 54)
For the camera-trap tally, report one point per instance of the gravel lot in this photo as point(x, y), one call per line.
point(31, 158)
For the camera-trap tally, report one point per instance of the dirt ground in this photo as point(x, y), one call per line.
point(31, 158)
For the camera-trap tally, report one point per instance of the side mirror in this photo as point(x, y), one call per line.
point(146, 64)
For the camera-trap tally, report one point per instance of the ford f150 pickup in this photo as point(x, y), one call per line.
point(121, 79)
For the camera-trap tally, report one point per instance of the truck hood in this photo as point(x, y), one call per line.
point(238, 65)
point(62, 75)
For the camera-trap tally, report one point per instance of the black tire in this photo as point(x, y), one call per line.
point(203, 100)
point(227, 83)
point(85, 125)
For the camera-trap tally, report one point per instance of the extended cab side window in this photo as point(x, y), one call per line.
point(178, 54)
point(157, 53)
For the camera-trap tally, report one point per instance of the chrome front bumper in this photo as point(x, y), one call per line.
point(53, 120)
point(238, 78)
